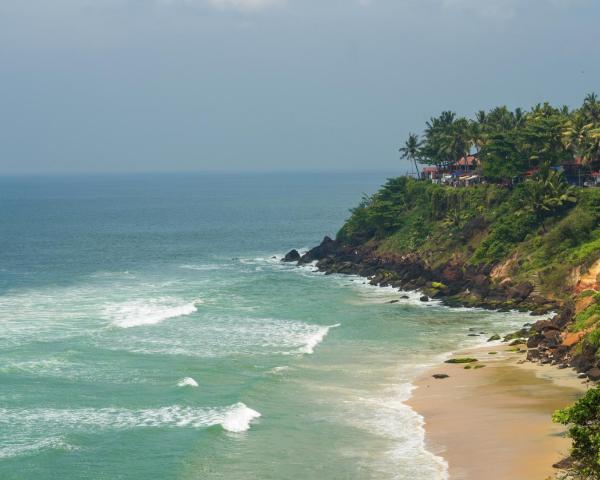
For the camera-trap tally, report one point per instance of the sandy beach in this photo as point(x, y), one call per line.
point(494, 423)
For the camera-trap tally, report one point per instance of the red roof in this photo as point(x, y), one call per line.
point(469, 161)
point(427, 170)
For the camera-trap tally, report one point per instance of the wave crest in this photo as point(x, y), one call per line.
point(234, 418)
point(315, 339)
point(148, 312)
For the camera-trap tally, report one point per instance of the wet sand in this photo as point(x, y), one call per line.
point(495, 423)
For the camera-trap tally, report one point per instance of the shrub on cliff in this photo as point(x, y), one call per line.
point(583, 420)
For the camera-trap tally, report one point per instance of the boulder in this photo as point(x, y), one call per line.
point(326, 247)
point(533, 355)
point(586, 359)
point(534, 340)
point(593, 374)
point(552, 338)
point(291, 256)
point(543, 326)
point(440, 376)
point(494, 337)
point(424, 298)
point(564, 464)
point(521, 291)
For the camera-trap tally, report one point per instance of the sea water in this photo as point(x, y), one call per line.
point(149, 330)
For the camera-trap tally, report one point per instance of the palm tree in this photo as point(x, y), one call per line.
point(591, 108)
point(410, 150)
point(546, 193)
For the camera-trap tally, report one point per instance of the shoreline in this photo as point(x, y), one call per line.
point(495, 422)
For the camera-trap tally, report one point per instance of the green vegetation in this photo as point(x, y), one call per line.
point(583, 419)
point(547, 230)
point(529, 226)
point(588, 317)
point(462, 360)
point(508, 143)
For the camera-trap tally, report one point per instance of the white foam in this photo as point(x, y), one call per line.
point(235, 418)
point(218, 335)
point(386, 415)
point(205, 267)
point(238, 418)
point(148, 312)
point(187, 382)
point(313, 340)
point(13, 449)
point(278, 370)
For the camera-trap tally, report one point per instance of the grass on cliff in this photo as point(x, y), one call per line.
point(482, 225)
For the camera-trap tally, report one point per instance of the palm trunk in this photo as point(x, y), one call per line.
point(417, 169)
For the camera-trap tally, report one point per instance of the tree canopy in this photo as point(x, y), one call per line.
point(507, 143)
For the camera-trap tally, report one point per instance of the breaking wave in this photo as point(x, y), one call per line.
point(234, 418)
point(147, 312)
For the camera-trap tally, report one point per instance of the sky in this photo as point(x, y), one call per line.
point(98, 86)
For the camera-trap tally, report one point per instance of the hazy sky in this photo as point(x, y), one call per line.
point(156, 85)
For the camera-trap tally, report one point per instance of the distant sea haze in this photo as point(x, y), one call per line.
point(150, 330)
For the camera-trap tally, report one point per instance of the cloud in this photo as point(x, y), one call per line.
point(245, 4)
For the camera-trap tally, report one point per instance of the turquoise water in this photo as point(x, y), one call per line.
point(148, 330)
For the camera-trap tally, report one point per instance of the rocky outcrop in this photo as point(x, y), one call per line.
point(455, 283)
point(291, 256)
point(327, 247)
point(458, 284)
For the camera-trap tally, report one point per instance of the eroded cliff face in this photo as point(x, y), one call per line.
point(588, 279)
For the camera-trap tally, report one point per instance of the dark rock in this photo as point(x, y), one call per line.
point(424, 298)
point(291, 256)
point(327, 247)
point(393, 301)
point(518, 341)
point(534, 340)
point(473, 335)
point(566, 314)
point(586, 360)
point(440, 376)
point(545, 325)
point(552, 338)
point(520, 292)
point(533, 354)
point(405, 297)
point(581, 375)
point(564, 464)
point(593, 374)
point(494, 337)
point(524, 332)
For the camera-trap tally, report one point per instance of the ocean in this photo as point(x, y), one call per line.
point(149, 330)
